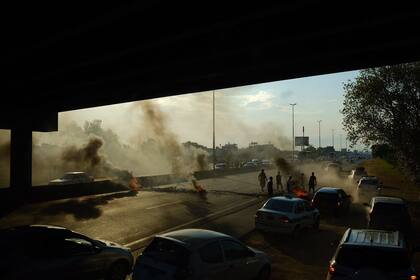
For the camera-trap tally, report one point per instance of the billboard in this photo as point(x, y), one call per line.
point(302, 141)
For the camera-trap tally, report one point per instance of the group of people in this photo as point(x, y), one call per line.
point(264, 181)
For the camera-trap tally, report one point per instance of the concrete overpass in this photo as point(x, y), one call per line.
point(57, 58)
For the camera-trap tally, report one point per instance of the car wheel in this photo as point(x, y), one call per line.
point(118, 271)
point(264, 273)
point(316, 223)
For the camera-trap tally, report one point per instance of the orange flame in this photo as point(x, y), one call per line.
point(134, 184)
point(197, 186)
point(301, 193)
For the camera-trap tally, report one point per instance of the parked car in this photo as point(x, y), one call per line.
point(357, 173)
point(286, 214)
point(250, 165)
point(371, 254)
point(220, 166)
point(257, 162)
point(266, 163)
point(331, 200)
point(333, 168)
point(51, 252)
point(368, 187)
point(73, 178)
point(389, 213)
point(200, 254)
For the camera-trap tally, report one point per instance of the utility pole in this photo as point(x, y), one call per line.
point(293, 130)
point(214, 135)
point(332, 138)
point(303, 136)
point(319, 133)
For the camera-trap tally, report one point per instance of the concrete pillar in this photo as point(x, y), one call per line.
point(21, 158)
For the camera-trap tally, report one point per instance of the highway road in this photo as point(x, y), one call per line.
point(124, 218)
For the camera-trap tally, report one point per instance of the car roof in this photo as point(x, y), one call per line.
point(36, 229)
point(387, 199)
point(194, 237)
point(369, 178)
point(328, 190)
point(76, 172)
point(374, 238)
point(287, 198)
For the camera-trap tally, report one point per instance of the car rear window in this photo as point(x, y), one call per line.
point(369, 181)
point(211, 253)
point(387, 260)
point(387, 209)
point(168, 251)
point(279, 205)
point(325, 196)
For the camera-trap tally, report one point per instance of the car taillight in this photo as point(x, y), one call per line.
point(331, 268)
point(413, 277)
point(284, 219)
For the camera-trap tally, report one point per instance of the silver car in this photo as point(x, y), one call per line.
point(286, 214)
point(200, 254)
point(51, 252)
point(73, 178)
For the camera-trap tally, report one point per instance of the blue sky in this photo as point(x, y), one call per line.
point(258, 112)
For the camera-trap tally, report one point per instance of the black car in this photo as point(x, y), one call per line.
point(331, 201)
point(389, 213)
point(51, 252)
point(372, 254)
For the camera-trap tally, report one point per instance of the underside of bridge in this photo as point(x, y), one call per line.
point(62, 57)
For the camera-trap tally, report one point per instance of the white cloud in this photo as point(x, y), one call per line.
point(261, 100)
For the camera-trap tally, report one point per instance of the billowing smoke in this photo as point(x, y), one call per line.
point(183, 161)
point(85, 158)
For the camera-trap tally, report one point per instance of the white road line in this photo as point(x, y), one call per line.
point(190, 222)
point(163, 205)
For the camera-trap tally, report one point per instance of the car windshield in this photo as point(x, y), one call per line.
point(387, 209)
point(359, 257)
point(168, 251)
point(69, 176)
point(279, 205)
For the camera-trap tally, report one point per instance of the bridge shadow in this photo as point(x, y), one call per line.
point(84, 208)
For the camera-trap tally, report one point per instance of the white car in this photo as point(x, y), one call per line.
point(200, 254)
point(286, 214)
point(368, 187)
point(73, 178)
point(220, 166)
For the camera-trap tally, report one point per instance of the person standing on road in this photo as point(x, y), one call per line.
point(312, 183)
point(262, 178)
point(289, 184)
point(278, 181)
point(270, 186)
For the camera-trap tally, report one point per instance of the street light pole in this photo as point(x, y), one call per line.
point(319, 133)
point(293, 130)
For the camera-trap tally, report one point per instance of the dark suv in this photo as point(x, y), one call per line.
point(389, 213)
point(333, 201)
point(372, 254)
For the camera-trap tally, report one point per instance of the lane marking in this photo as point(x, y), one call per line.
point(163, 205)
point(247, 203)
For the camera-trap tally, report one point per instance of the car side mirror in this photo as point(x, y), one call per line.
point(366, 204)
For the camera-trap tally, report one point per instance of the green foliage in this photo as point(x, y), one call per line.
point(382, 106)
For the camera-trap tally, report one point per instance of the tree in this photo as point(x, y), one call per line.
point(382, 106)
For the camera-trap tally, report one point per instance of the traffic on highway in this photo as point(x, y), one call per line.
point(372, 240)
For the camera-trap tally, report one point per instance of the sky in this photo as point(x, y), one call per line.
point(259, 112)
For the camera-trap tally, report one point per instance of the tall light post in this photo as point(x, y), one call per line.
point(293, 130)
point(214, 135)
point(319, 133)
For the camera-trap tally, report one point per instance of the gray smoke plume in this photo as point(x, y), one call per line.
point(183, 161)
